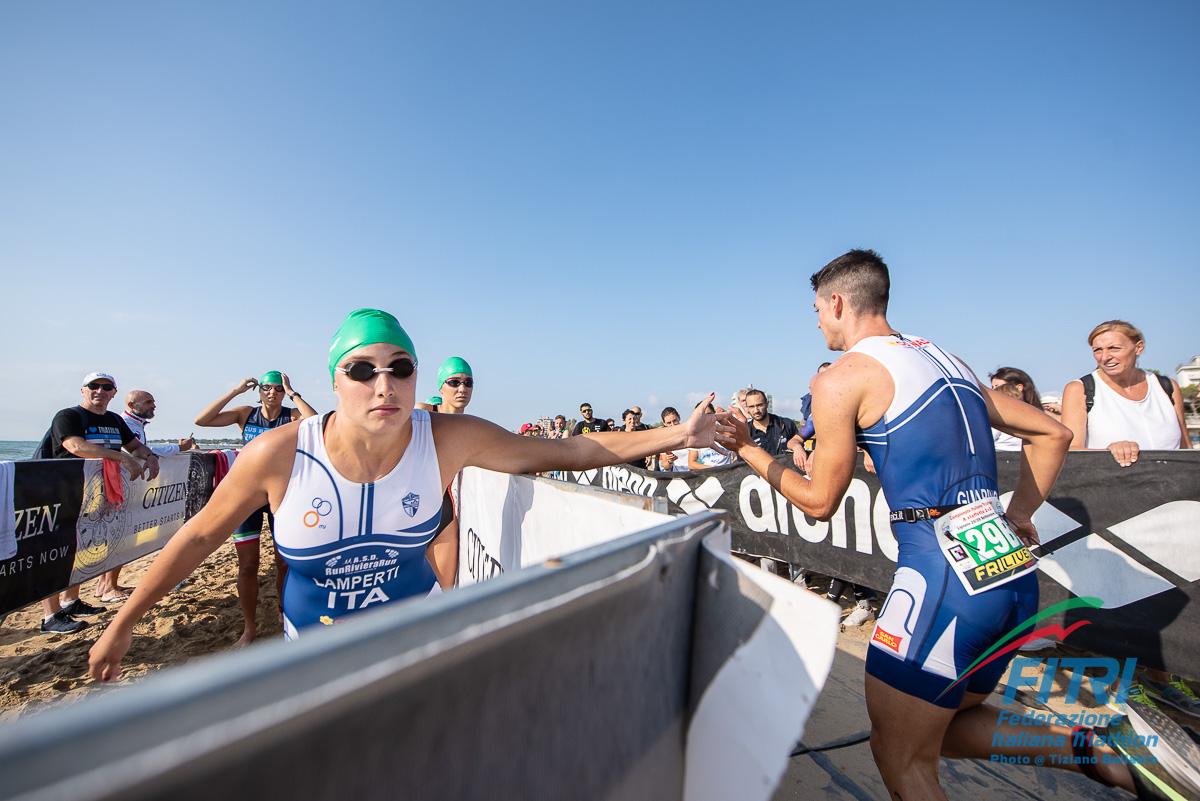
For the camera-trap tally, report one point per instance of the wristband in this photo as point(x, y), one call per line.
point(294, 395)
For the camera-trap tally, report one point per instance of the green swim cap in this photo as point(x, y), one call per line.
point(367, 327)
point(271, 377)
point(453, 366)
point(434, 400)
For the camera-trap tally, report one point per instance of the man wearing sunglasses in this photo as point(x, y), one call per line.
point(254, 421)
point(588, 424)
point(90, 431)
point(357, 492)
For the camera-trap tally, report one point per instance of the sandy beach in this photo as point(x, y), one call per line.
point(38, 670)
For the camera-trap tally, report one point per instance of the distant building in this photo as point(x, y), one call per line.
point(1188, 374)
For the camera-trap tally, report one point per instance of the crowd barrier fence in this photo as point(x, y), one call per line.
point(607, 673)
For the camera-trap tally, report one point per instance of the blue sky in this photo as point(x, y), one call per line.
point(612, 202)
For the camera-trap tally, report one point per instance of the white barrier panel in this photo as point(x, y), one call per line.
point(762, 647)
point(506, 522)
point(762, 652)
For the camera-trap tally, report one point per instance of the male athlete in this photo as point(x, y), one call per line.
point(357, 493)
point(963, 579)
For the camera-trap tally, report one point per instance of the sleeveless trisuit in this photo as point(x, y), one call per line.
point(352, 546)
point(933, 448)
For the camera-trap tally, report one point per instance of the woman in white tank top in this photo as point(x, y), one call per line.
point(356, 493)
point(1131, 410)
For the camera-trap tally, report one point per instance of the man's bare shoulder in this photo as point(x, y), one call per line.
point(859, 385)
point(853, 369)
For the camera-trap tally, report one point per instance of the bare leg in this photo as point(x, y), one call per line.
point(50, 605)
point(906, 740)
point(247, 584)
point(70, 594)
point(108, 584)
point(972, 735)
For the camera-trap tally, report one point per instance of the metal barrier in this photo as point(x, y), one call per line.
point(570, 680)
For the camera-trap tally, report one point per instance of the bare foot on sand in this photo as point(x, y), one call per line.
point(247, 637)
point(114, 595)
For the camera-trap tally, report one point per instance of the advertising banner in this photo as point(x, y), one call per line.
point(68, 530)
point(46, 500)
point(1125, 535)
point(112, 534)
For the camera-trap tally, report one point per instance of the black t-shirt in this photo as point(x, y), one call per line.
point(107, 430)
point(775, 439)
point(584, 427)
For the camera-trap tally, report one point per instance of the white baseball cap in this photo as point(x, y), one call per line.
point(90, 377)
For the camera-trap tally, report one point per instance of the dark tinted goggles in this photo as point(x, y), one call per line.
point(365, 371)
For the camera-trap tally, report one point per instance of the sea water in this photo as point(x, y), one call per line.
point(14, 450)
point(17, 450)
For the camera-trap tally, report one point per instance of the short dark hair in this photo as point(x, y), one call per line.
point(585, 403)
point(823, 365)
point(860, 274)
point(668, 410)
point(628, 412)
point(750, 392)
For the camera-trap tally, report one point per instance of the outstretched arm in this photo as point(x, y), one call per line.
point(242, 491)
point(213, 416)
point(465, 441)
point(835, 401)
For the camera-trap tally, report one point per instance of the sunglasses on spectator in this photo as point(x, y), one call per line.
point(457, 382)
point(585, 410)
point(94, 385)
point(365, 371)
point(270, 387)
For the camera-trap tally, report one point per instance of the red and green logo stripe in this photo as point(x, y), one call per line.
point(1006, 644)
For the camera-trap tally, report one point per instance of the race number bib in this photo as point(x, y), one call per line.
point(981, 548)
